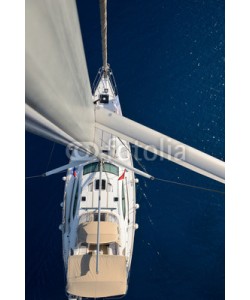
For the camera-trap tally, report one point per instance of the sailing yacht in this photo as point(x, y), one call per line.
point(99, 211)
point(99, 207)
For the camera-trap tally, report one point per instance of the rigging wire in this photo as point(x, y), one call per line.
point(50, 156)
point(49, 160)
point(135, 158)
point(157, 179)
point(170, 181)
point(143, 167)
point(189, 185)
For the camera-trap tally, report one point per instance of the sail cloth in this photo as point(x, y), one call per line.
point(83, 281)
point(57, 82)
point(58, 94)
point(160, 144)
point(41, 126)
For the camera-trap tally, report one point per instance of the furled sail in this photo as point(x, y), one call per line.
point(160, 144)
point(103, 13)
point(58, 94)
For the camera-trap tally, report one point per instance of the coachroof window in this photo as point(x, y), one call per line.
point(95, 167)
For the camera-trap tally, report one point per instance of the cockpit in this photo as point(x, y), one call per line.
point(87, 234)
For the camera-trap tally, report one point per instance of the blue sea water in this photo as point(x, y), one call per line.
point(168, 61)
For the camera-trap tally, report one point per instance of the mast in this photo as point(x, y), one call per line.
point(99, 218)
point(103, 12)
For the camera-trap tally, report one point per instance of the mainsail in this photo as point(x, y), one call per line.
point(57, 82)
point(58, 96)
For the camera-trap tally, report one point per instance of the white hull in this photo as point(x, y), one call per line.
point(117, 196)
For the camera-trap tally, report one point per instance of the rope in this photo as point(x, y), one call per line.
point(42, 175)
point(135, 158)
point(50, 156)
point(103, 12)
point(189, 185)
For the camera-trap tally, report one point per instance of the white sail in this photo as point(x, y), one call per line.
point(58, 96)
point(39, 125)
point(57, 81)
point(160, 144)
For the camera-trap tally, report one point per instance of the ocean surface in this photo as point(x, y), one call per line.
point(168, 60)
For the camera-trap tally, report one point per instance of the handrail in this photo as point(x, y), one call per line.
point(99, 218)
